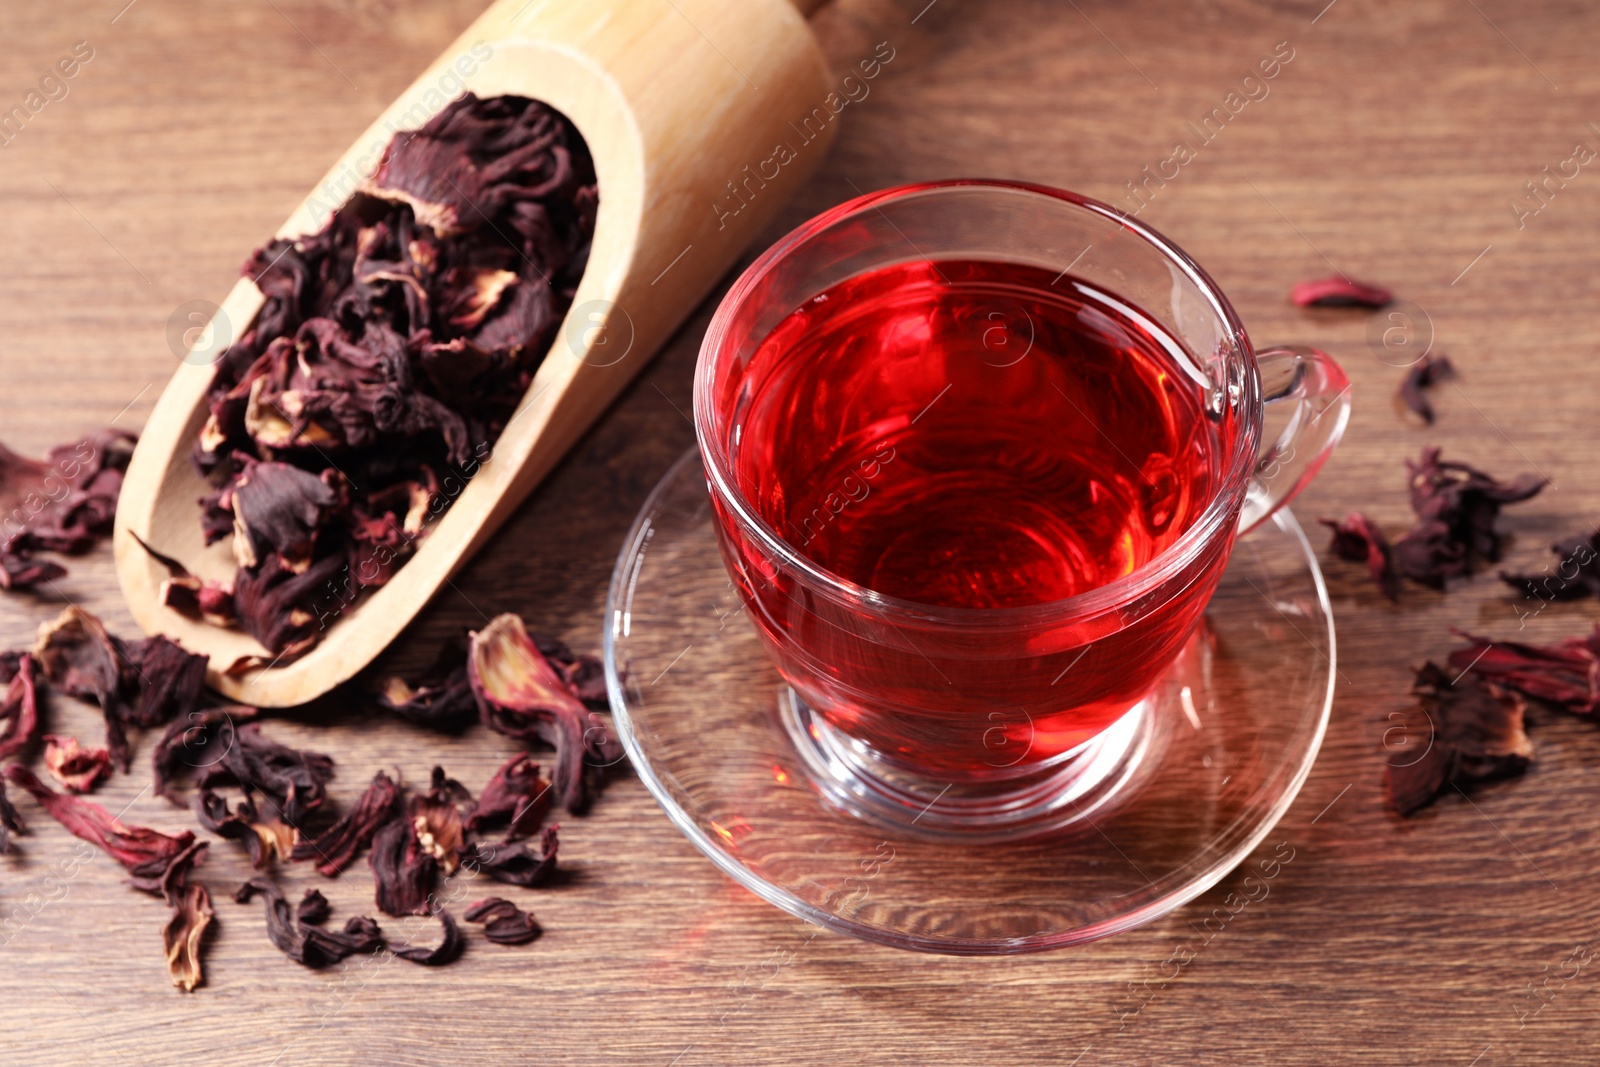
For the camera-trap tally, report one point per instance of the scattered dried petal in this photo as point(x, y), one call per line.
point(77, 768)
point(511, 862)
point(1339, 291)
point(147, 854)
point(301, 936)
point(515, 797)
point(446, 951)
point(504, 922)
point(63, 503)
point(521, 695)
point(1577, 574)
point(1474, 733)
point(439, 817)
point(1359, 540)
point(136, 683)
point(19, 708)
point(1456, 507)
point(337, 846)
point(1566, 674)
point(265, 837)
point(441, 699)
point(184, 934)
point(199, 741)
point(403, 872)
point(1423, 373)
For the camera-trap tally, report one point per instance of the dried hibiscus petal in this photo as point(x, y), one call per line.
point(291, 781)
point(1456, 507)
point(200, 740)
point(64, 503)
point(298, 932)
point(438, 817)
point(441, 699)
point(1474, 733)
point(184, 934)
point(521, 695)
point(1339, 291)
point(136, 683)
point(144, 852)
point(337, 846)
point(190, 596)
point(1423, 373)
point(446, 951)
point(516, 797)
point(512, 863)
point(264, 836)
point(1358, 539)
point(19, 708)
point(503, 922)
point(1577, 573)
point(77, 768)
point(25, 572)
point(1566, 673)
point(403, 872)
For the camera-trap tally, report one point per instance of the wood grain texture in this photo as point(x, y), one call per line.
point(1388, 147)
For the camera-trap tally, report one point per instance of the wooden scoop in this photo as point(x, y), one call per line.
point(682, 103)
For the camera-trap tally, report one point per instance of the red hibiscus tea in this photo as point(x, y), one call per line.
point(971, 435)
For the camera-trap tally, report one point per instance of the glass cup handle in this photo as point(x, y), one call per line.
point(1316, 388)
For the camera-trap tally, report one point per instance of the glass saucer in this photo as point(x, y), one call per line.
point(1224, 745)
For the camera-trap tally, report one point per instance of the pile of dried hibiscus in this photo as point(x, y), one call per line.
point(273, 800)
point(392, 349)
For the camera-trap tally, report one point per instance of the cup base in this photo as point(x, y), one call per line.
point(855, 779)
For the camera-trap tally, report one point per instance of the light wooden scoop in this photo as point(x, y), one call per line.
point(676, 99)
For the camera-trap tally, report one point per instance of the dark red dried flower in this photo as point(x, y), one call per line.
point(292, 782)
point(403, 872)
point(136, 683)
point(64, 503)
point(439, 817)
point(441, 699)
point(1423, 373)
point(77, 768)
point(1566, 674)
point(298, 932)
point(188, 595)
point(185, 932)
point(199, 740)
point(522, 695)
point(1470, 731)
point(336, 847)
point(504, 922)
point(1456, 507)
point(19, 708)
point(264, 836)
point(1358, 539)
point(511, 862)
point(25, 572)
point(1577, 573)
point(516, 797)
point(1339, 291)
point(446, 951)
point(145, 853)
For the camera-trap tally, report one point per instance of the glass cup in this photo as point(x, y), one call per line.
point(1016, 718)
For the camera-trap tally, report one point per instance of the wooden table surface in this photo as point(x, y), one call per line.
point(1389, 147)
